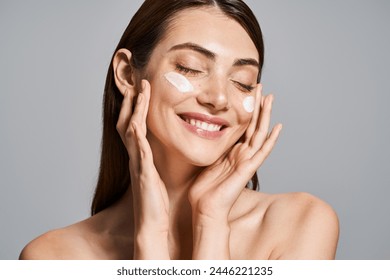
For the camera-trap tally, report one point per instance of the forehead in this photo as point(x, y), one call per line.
point(210, 28)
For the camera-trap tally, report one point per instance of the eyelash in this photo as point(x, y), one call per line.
point(186, 70)
point(246, 88)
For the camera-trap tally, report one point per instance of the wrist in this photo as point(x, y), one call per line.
point(201, 220)
point(147, 233)
point(211, 241)
point(150, 244)
point(211, 227)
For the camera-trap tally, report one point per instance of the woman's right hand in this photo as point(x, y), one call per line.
point(150, 198)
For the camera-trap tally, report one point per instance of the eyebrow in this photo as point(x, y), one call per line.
point(246, 61)
point(195, 47)
point(210, 55)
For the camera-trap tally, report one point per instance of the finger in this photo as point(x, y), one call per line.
point(146, 91)
point(145, 152)
point(255, 117)
point(261, 132)
point(259, 157)
point(125, 114)
point(139, 111)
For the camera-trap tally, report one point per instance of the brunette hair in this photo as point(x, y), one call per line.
point(145, 30)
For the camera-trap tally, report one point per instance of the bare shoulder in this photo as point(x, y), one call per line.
point(284, 226)
point(60, 244)
point(300, 207)
point(309, 225)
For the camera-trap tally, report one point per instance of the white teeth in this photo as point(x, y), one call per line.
point(192, 122)
point(204, 125)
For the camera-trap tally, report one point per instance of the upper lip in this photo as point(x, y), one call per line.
point(205, 118)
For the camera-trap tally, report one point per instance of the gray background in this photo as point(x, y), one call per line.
point(326, 62)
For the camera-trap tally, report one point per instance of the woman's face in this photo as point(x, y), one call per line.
point(202, 112)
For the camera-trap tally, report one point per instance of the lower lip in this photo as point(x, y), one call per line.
point(211, 135)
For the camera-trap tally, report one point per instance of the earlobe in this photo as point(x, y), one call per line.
point(123, 71)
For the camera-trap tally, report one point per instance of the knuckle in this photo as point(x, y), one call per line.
point(129, 132)
point(262, 131)
point(143, 154)
point(119, 127)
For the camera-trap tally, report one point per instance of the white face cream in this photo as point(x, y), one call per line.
point(179, 81)
point(249, 104)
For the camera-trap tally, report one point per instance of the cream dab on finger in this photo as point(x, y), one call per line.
point(179, 81)
point(249, 104)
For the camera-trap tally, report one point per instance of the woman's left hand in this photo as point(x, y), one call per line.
point(219, 185)
point(216, 188)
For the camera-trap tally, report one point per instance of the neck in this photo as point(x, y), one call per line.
point(178, 175)
point(176, 172)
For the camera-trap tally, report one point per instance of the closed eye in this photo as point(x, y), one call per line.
point(185, 70)
point(244, 87)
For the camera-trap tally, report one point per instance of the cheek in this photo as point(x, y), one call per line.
point(168, 90)
point(244, 108)
point(248, 103)
point(178, 81)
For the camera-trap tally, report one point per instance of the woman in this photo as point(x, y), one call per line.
point(185, 129)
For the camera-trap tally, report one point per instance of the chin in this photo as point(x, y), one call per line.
point(201, 157)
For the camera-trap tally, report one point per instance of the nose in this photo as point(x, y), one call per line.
point(214, 96)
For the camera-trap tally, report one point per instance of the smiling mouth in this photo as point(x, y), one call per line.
point(200, 122)
point(203, 125)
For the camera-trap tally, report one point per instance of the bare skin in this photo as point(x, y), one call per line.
point(188, 199)
point(286, 226)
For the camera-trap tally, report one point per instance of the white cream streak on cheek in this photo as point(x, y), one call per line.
point(249, 104)
point(179, 81)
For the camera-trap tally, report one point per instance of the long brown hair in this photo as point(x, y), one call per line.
point(145, 30)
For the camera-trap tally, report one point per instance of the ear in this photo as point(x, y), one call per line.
point(124, 74)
